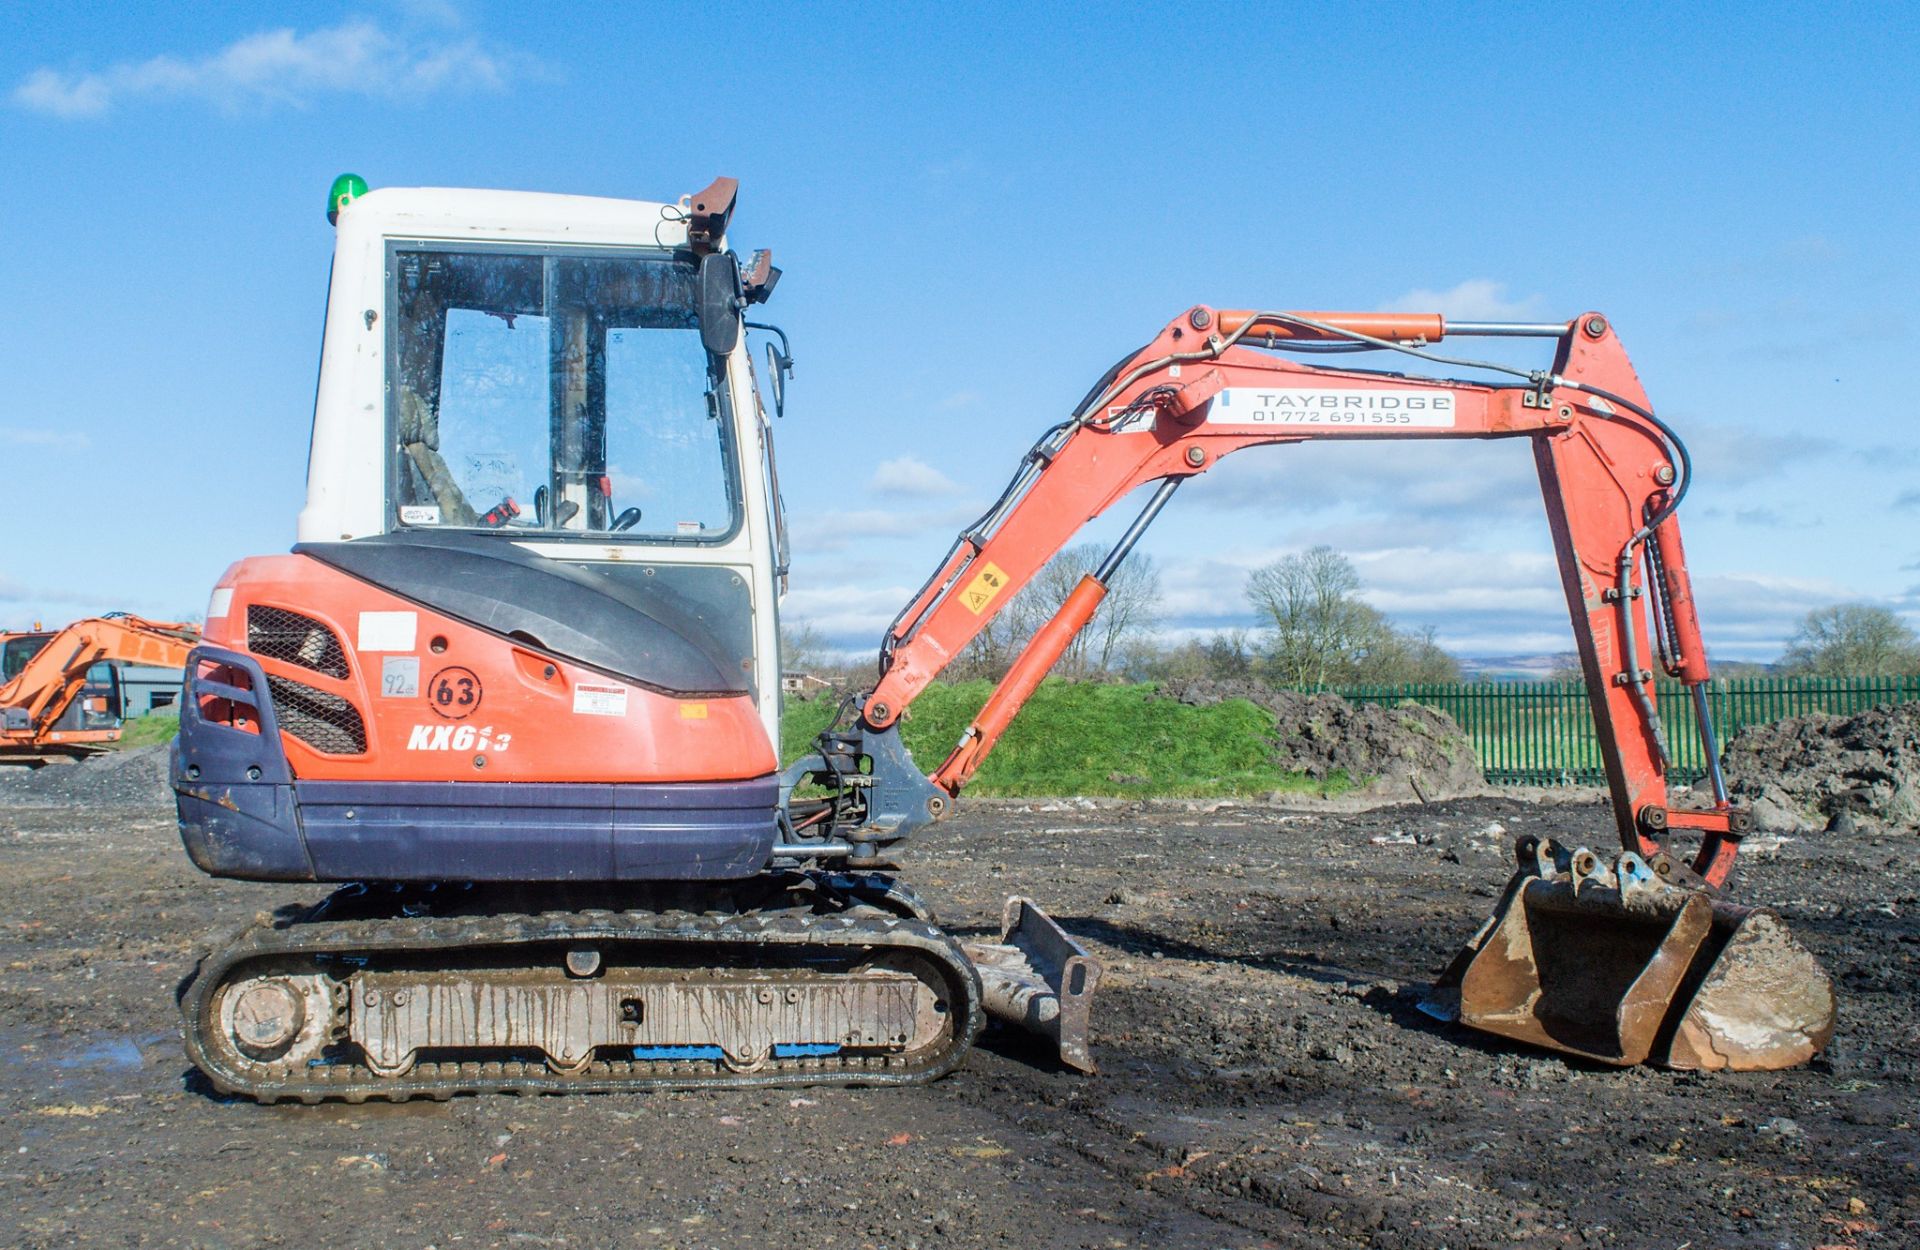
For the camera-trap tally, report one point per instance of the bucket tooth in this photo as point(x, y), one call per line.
point(1762, 1001)
point(1615, 965)
point(1039, 979)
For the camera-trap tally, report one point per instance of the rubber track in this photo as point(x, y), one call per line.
point(354, 1082)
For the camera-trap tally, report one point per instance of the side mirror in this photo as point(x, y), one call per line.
point(779, 365)
point(719, 302)
point(777, 379)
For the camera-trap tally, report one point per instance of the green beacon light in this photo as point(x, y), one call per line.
point(346, 189)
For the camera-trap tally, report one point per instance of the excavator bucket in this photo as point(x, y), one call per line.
point(1039, 979)
point(1612, 963)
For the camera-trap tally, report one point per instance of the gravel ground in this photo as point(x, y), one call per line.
point(1265, 1079)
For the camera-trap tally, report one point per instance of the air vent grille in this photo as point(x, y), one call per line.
point(326, 722)
point(294, 639)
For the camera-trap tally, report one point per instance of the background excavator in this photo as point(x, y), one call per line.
point(517, 687)
point(59, 696)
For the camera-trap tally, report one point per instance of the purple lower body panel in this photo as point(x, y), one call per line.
point(517, 831)
point(244, 815)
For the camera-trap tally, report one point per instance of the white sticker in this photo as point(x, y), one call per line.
point(688, 527)
point(400, 677)
point(420, 514)
point(1322, 408)
point(600, 700)
point(218, 605)
point(387, 631)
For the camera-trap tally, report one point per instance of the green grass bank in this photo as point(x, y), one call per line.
point(1097, 740)
point(149, 730)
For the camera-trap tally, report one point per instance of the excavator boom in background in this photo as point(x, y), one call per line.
point(517, 688)
point(51, 704)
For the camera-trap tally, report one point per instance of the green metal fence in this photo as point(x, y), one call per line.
point(1540, 732)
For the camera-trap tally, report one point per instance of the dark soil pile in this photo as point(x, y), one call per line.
point(1410, 750)
point(136, 777)
point(1810, 771)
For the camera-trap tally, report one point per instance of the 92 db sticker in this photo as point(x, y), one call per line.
point(1329, 408)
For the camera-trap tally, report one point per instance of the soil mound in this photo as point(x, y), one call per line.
point(1812, 771)
point(132, 778)
point(1410, 750)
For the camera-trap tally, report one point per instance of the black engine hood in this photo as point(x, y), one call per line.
point(682, 630)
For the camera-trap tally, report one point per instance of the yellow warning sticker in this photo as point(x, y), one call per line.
point(693, 711)
point(981, 590)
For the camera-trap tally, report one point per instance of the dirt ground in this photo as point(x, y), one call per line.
point(1265, 1078)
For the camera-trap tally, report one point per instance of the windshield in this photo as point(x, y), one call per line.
point(557, 392)
point(15, 652)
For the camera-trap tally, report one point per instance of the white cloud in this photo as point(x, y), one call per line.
point(63, 440)
point(837, 531)
point(1426, 483)
point(1476, 299)
point(850, 616)
point(275, 67)
point(1731, 455)
point(912, 478)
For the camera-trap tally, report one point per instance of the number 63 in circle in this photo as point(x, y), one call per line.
point(454, 693)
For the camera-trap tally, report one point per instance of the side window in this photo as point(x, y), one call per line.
point(494, 432)
point(666, 444)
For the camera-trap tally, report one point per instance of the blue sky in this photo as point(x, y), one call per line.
point(978, 210)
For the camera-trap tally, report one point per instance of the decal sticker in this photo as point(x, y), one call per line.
point(688, 527)
point(457, 738)
point(387, 631)
point(454, 693)
point(400, 677)
point(1324, 408)
point(220, 603)
point(599, 700)
point(981, 590)
point(419, 514)
point(693, 711)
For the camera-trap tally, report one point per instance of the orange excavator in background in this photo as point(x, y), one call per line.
point(517, 689)
point(57, 701)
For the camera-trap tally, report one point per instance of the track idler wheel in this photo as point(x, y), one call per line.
point(1611, 963)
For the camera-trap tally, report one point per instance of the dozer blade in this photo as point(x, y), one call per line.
point(1039, 979)
point(1615, 965)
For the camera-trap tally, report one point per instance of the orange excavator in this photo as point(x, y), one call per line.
point(58, 692)
point(516, 688)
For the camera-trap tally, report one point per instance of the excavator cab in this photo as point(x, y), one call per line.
point(17, 649)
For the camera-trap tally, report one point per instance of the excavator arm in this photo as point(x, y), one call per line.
point(33, 702)
point(1618, 961)
point(1213, 383)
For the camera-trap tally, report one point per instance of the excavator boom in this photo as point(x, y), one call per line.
point(1612, 475)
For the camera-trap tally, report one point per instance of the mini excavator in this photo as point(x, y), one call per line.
point(516, 689)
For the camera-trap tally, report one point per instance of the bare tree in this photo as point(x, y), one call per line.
point(1853, 640)
point(802, 648)
point(1124, 621)
point(1323, 633)
point(1309, 602)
